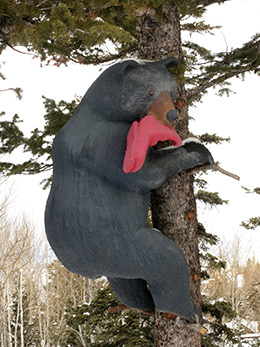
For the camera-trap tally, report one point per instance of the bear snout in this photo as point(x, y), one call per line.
point(172, 115)
point(163, 109)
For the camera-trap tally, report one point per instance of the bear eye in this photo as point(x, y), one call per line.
point(151, 92)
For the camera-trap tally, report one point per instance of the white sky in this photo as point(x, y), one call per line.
point(237, 116)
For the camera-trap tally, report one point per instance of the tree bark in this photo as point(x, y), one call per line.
point(173, 205)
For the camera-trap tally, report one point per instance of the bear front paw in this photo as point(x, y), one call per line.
point(199, 155)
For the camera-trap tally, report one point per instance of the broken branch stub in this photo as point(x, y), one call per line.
point(213, 167)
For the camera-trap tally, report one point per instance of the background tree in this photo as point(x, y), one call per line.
point(36, 290)
point(233, 292)
point(253, 222)
point(63, 31)
point(17, 248)
point(94, 324)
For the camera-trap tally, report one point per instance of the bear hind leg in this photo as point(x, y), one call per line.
point(133, 293)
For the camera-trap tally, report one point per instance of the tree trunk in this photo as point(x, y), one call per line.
point(173, 205)
point(9, 331)
point(21, 309)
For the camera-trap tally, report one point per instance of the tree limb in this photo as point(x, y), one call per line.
point(123, 307)
point(5, 42)
point(208, 82)
point(213, 167)
point(205, 3)
point(232, 64)
point(96, 59)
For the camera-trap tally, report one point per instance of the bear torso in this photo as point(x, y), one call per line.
point(86, 212)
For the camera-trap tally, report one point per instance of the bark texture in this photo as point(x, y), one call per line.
point(173, 205)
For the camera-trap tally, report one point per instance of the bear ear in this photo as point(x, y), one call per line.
point(128, 66)
point(170, 62)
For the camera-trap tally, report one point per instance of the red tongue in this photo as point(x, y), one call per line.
point(146, 134)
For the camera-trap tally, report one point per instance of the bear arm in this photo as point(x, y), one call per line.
point(188, 156)
point(159, 166)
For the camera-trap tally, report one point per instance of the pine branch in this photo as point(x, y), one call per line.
point(96, 59)
point(18, 91)
point(209, 198)
point(225, 66)
point(251, 224)
point(195, 93)
point(4, 42)
point(205, 3)
point(123, 307)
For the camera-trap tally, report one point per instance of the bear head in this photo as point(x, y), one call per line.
point(130, 90)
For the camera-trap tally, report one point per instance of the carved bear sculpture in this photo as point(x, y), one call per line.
point(104, 166)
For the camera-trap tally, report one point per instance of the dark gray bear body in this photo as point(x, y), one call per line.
point(96, 213)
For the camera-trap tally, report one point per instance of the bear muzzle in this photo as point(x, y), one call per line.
point(163, 109)
point(172, 115)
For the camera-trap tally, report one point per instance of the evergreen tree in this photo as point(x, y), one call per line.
point(215, 311)
point(232, 298)
point(62, 31)
point(63, 291)
point(94, 325)
point(250, 308)
point(253, 222)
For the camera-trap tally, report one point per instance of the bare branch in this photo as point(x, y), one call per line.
point(7, 43)
point(213, 167)
point(257, 281)
point(216, 167)
point(6, 90)
point(18, 91)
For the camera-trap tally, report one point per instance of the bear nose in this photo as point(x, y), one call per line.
point(172, 115)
